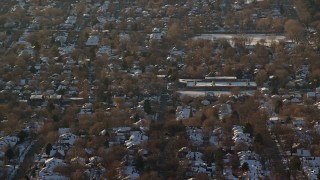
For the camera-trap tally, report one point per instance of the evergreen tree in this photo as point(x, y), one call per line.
point(191, 113)
point(235, 115)
point(139, 164)
point(218, 157)
point(33, 70)
point(124, 65)
point(278, 107)
point(9, 153)
point(50, 106)
point(1, 116)
point(147, 106)
point(248, 128)
point(55, 118)
point(36, 46)
point(136, 118)
point(48, 148)
point(106, 83)
point(258, 138)
point(22, 135)
point(245, 166)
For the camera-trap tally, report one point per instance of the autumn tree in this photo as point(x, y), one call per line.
point(174, 33)
point(150, 175)
point(263, 24)
point(209, 154)
point(294, 30)
point(174, 127)
point(65, 170)
point(261, 77)
point(294, 164)
point(258, 139)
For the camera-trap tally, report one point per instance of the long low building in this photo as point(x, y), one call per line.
point(217, 84)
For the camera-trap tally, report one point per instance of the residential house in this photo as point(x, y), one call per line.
point(298, 123)
point(255, 167)
point(49, 165)
point(184, 112)
point(313, 95)
point(67, 138)
point(198, 165)
point(8, 141)
point(195, 135)
point(92, 41)
point(310, 166)
point(300, 152)
point(156, 35)
point(136, 138)
point(274, 121)
point(225, 110)
point(58, 151)
point(240, 137)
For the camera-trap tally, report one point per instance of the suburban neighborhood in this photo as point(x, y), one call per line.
point(159, 89)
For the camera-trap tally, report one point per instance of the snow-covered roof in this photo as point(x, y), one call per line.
point(298, 121)
point(53, 176)
point(310, 166)
point(228, 174)
point(313, 94)
point(102, 19)
point(220, 84)
point(95, 159)
point(301, 152)
point(317, 127)
point(195, 135)
point(124, 37)
point(92, 41)
point(136, 138)
point(121, 129)
point(8, 141)
point(61, 39)
point(71, 20)
point(194, 156)
point(255, 169)
point(156, 34)
point(104, 7)
point(63, 130)
point(240, 137)
point(66, 49)
point(50, 165)
point(56, 149)
point(198, 165)
point(130, 173)
point(175, 52)
point(67, 138)
point(224, 111)
point(1, 153)
point(205, 102)
point(247, 155)
point(214, 140)
point(78, 160)
point(183, 112)
point(104, 50)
